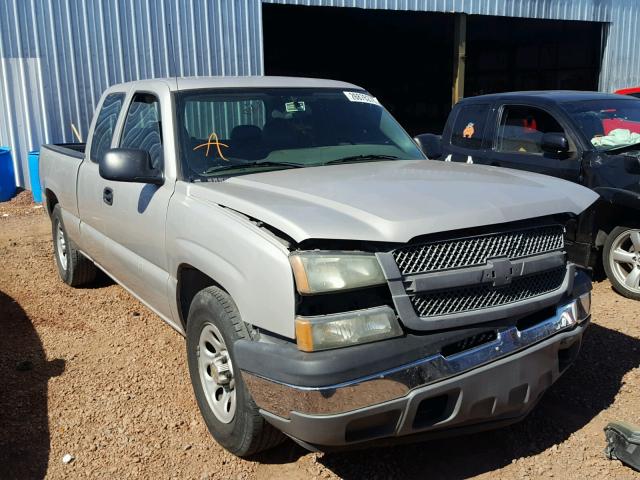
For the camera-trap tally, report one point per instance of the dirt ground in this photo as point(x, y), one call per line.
point(93, 373)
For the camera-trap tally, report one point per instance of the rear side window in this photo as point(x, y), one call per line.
point(468, 128)
point(143, 127)
point(105, 124)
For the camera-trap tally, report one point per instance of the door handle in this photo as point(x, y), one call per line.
point(107, 196)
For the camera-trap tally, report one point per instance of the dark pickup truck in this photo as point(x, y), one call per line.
point(585, 137)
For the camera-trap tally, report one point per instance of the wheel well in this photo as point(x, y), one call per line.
point(612, 216)
point(52, 200)
point(190, 282)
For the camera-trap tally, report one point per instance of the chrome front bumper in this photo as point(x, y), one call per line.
point(282, 399)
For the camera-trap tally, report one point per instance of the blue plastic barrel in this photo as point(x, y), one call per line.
point(34, 175)
point(7, 178)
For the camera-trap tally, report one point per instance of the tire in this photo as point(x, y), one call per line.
point(213, 327)
point(73, 267)
point(621, 259)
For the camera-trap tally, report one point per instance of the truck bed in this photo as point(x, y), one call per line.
point(59, 164)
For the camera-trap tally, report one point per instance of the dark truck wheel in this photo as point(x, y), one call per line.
point(231, 415)
point(622, 261)
point(74, 268)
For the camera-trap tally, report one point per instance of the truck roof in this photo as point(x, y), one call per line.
point(193, 83)
point(544, 96)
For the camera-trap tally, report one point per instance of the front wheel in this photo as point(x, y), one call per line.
point(622, 261)
point(231, 415)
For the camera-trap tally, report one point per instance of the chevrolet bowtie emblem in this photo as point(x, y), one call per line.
point(499, 271)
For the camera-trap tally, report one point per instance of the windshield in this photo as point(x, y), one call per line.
point(608, 124)
point(228, 132)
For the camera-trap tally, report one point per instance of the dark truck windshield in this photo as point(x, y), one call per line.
point(230, 132)
point(608, 124)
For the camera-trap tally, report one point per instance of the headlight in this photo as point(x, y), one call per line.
point(324, 271)
point(343, 329)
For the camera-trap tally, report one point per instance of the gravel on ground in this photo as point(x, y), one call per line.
point(94, 385)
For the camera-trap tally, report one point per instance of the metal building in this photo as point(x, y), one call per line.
point(57, 56)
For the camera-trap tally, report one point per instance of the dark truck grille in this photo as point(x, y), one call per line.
point(474, 251)
point(486, 296)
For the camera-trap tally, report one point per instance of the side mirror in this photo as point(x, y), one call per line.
point(554, 143)
point(129, 165)
point(430, 144)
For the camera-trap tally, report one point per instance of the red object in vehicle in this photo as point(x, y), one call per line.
point(609, 124)
point(633, 91)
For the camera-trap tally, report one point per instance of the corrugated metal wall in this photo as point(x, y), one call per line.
point(57, 56)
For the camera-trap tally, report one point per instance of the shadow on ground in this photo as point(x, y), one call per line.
point(24, 373)
point(586, 389)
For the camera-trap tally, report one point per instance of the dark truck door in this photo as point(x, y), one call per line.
point(517, 142)
point(467, 137)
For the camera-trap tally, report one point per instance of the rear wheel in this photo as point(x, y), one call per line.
point(622, 261)
point(231, 415)
point(73, 267)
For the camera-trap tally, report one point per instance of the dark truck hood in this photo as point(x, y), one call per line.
point(392, 201)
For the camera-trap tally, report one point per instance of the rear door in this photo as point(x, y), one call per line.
point(517, 142)
point(92, 210)
point(465, 140)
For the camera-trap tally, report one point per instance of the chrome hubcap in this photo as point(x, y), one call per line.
point(625, 259)
point(216, 373)
point(61, 246)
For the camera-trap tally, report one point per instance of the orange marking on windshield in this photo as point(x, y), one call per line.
point(213, 142)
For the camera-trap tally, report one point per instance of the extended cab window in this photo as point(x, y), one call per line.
point(521, 129)
point(143, 127)
point(469, 125)
point(106, 122)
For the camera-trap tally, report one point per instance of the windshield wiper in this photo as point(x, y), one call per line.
point(361, 158)
point(259, 163)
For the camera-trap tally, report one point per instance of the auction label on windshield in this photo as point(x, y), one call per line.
point(361, 97)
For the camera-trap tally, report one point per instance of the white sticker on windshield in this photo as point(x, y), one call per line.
point(361, 97)
point(295, 106)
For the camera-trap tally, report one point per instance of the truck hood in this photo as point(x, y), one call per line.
point(392, 201)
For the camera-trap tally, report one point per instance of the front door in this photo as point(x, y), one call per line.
point(136, 212)
point(518, 143)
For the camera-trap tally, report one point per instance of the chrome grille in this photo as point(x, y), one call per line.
point(465, 299)
point(469, 252)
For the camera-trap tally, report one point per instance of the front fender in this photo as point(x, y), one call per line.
point(251, 266)
point(620, 197)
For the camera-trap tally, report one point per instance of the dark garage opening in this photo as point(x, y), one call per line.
point(406, 58)
point(403, 58)
point(506, 54)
